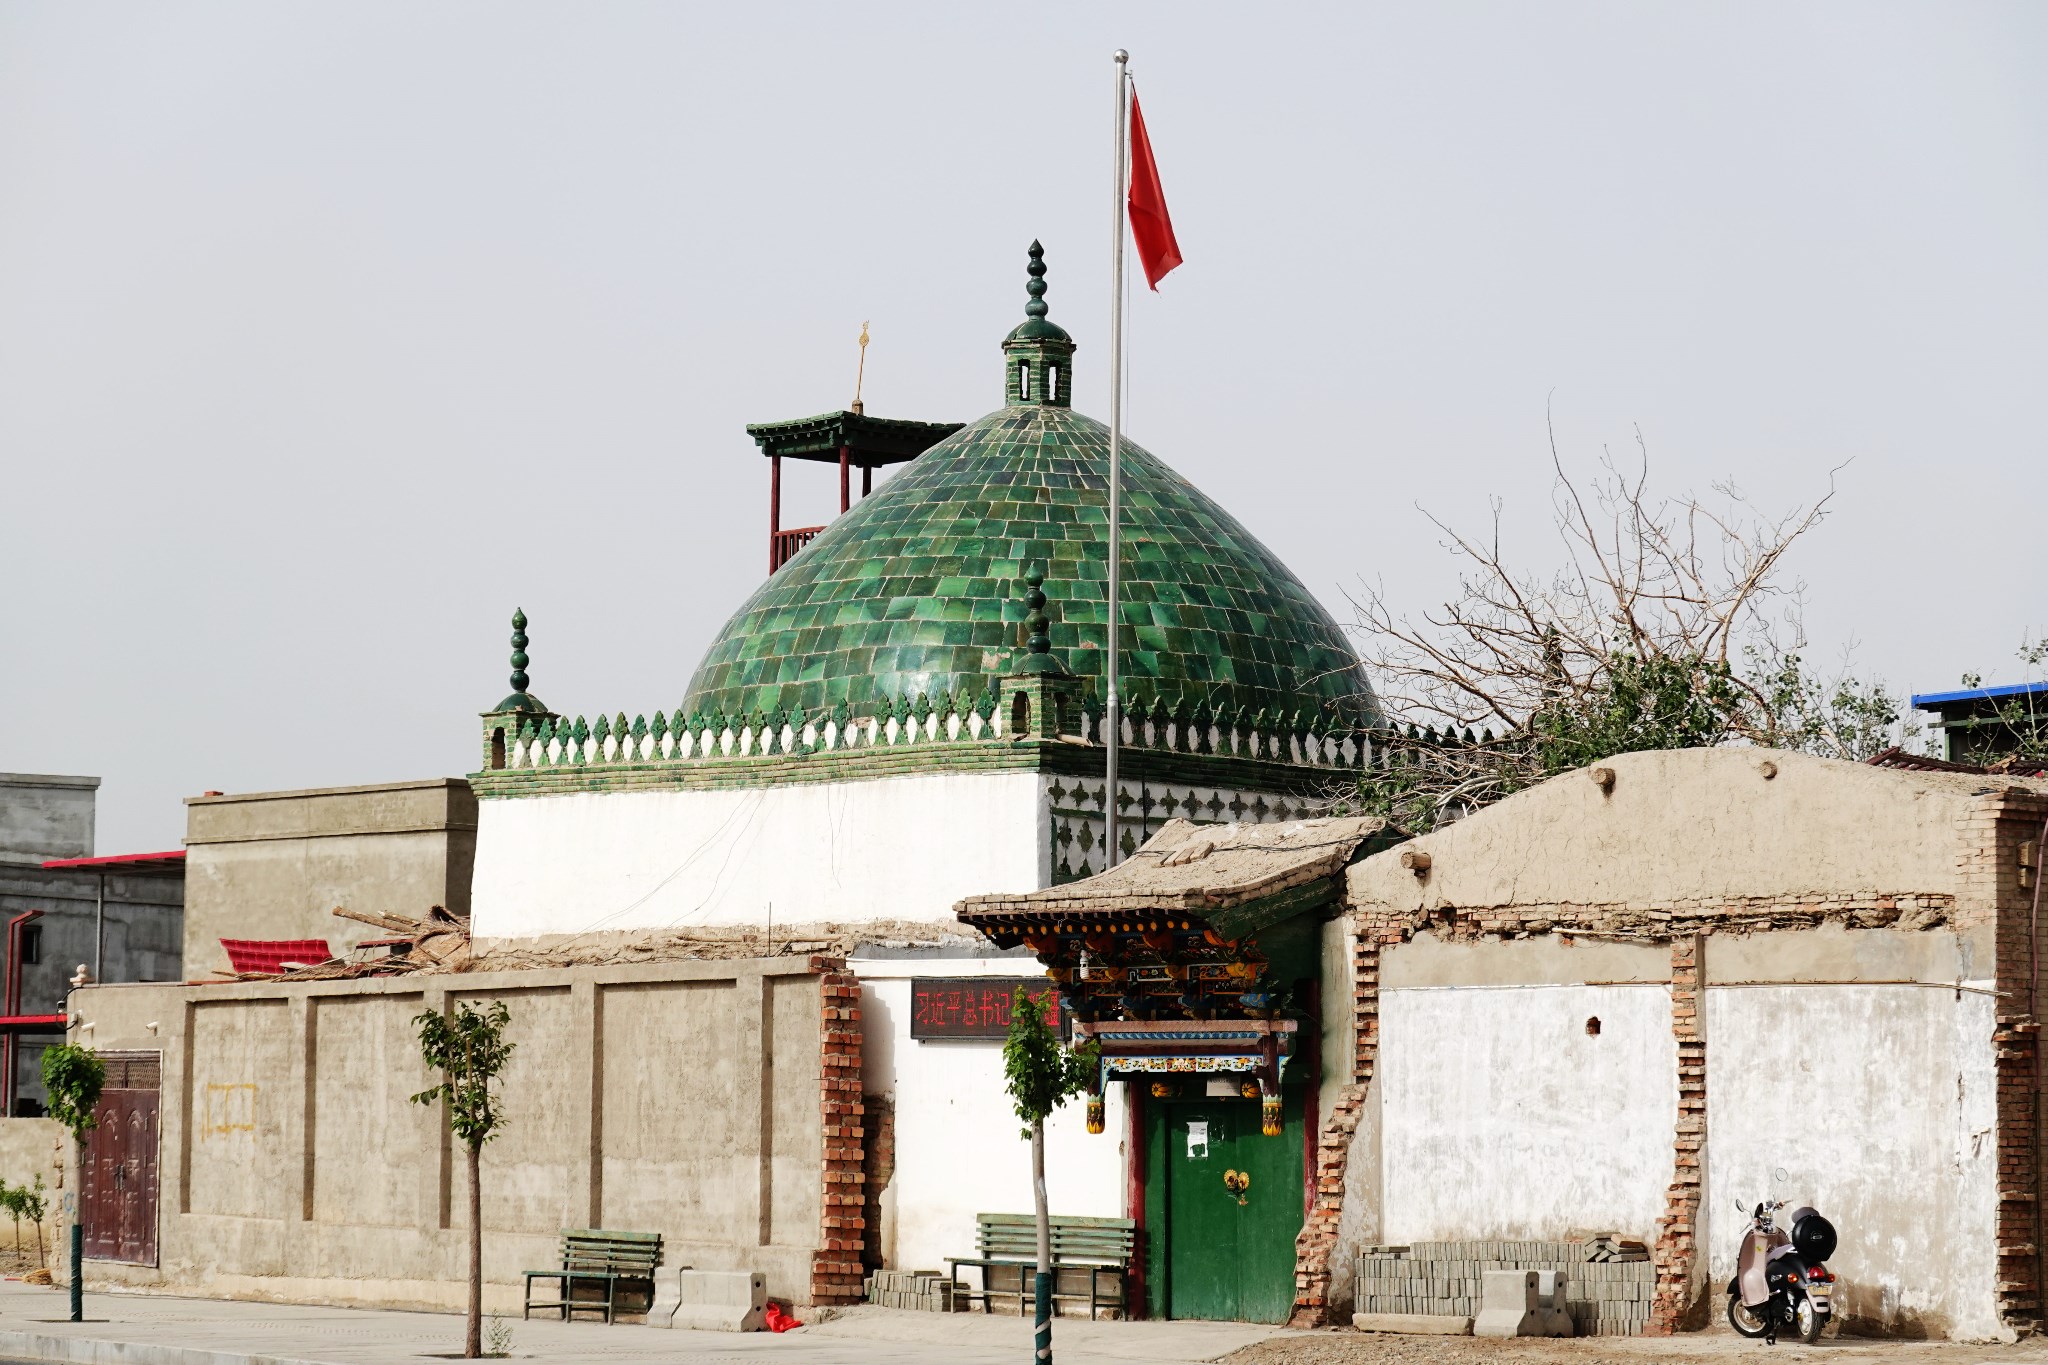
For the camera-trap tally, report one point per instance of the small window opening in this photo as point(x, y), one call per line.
point(1024, 379)
point(498, 747)
point(31, 944)
point(1593, 1027)
point(1052, 381)
point(1020, 714)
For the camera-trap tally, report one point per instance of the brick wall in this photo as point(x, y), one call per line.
point(1317, 1240)
point(836, 1266)
point(1990, 860)
point(1676, 1253)
point(1992, 875)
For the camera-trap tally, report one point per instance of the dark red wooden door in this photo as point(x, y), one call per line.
point(118, 1190)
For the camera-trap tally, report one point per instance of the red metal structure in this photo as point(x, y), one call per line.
point(848, 439)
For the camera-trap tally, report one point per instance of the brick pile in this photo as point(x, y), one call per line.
point(1604, 1298)
point(836, 1265)
point(926, 1291)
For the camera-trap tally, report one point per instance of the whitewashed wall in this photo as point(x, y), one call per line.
point(958, 1148)
point(1501, 1118)
point(1879, 1104)
point(891, 848)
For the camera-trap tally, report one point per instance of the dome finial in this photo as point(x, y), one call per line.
point(1038, 655)
point(519, 678)
point(521, 699)
point(1038, 642)
point(1036, 287)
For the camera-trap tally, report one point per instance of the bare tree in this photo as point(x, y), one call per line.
point(1669, 622)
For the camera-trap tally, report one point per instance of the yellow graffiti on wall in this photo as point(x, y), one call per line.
point(229, 1108)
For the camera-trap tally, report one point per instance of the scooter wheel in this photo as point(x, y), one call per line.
point(1810, 1323)
point(1746, 1321)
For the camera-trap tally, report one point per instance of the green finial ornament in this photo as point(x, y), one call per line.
point(1036, 287)
point(1038, 355)
point(519, 678)
point(521, 699)
point(1034, 604)
point(1038, 655)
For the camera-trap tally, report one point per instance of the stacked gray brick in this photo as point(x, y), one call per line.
point(925, 1291)
point(1604, 1298)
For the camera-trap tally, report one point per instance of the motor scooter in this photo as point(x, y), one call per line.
point(1781, 1280)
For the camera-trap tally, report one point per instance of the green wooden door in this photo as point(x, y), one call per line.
point(1225, 1253)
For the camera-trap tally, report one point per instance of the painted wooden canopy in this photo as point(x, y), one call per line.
point(1158, 959)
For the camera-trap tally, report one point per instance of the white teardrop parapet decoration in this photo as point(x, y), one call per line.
point(611, 741)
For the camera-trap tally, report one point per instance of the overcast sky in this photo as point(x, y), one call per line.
point(330, 334)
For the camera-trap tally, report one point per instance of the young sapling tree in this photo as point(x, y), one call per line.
point(469, 1049)
point(74, 1077)
point(1041, 1073)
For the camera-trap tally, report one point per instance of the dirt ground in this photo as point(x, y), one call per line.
point(1723, 1347)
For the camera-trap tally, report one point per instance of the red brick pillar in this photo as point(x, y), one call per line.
point(835, 1266)
point(1318, 1238)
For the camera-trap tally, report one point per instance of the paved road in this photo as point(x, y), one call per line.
point(135, 1329)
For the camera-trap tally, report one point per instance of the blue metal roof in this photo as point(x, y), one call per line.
point(1930, 701)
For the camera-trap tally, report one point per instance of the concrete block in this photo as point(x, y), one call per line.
point(1508, 1306)
point(1550, 1297)
point(1413, 1324)
point(716, 1301)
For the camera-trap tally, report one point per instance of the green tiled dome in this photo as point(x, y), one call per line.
point(919, 587)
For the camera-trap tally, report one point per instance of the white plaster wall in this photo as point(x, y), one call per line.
point(958, 1146)
point(890, 848)
point(1879, 1104)
point(1501, 1118)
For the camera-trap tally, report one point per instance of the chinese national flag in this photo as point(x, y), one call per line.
point(1151, 226)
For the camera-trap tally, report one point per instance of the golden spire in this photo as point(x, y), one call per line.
point(861, 375)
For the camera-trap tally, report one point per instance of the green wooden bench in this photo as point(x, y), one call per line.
point(595, 1258)
point(1090, 1257)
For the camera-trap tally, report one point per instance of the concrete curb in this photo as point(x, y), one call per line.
point(82, 1350)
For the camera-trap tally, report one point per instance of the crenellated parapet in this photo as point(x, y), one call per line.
point(1002, 717)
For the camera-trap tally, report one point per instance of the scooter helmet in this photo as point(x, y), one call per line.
point(1813, 1236)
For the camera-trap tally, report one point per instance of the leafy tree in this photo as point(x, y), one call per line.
point(2015, 734)
point(26, 1201)
point(1669, 624)
point(1041, 1073)
point(74, 1077)
point(31, 1202)
point(469, 1049)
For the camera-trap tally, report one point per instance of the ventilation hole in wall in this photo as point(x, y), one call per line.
point(1593, 1027)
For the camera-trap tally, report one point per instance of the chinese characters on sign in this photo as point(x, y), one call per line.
point(975, 1007)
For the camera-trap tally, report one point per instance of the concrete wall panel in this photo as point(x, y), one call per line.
point(633, 1070)
point(679, 1149)
point(1879, 1105)
point(531, 1178)
point(240, 1102)
point(1502, 1118)
point(367, 1134)
point(275, 864)
point(795, 1121)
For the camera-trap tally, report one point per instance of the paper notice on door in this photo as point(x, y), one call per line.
point(1198, 1139)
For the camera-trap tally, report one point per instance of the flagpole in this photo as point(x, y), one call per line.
point(1113, 710)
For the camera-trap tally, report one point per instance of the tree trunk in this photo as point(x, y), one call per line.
point(473, 1337)
point(77, 1230)
point(1042, 1284)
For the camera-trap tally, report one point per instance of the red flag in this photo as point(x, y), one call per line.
point(1151, 226)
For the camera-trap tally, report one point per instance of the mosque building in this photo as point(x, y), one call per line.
point(906, 713)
